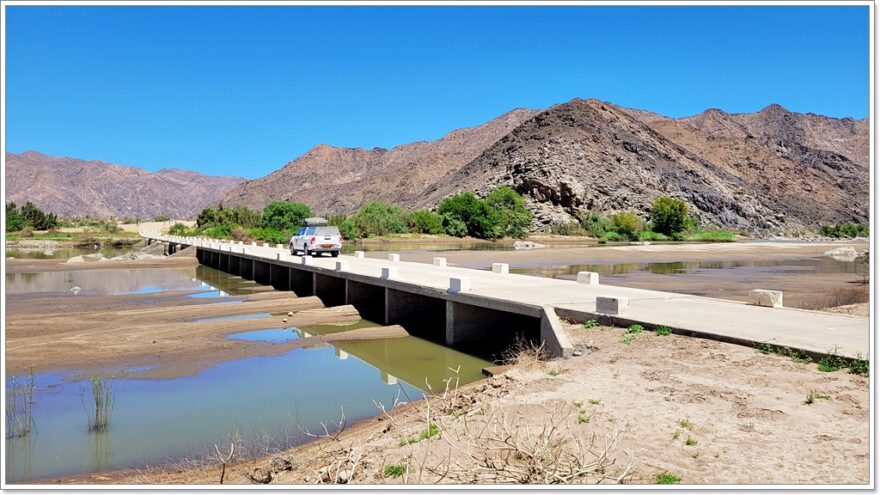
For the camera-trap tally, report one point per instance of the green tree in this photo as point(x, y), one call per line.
point(515, 218)
point(454, 226)
point(669, 215)
point(162, 218)
point(284, 216)
point(14, 220)
point(627, 225)
point(36, 218)
point(425, 222)
point(207, 217)
point(376, 218)
point(481, 220)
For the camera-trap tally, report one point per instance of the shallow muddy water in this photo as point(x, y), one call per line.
point(62, 254)
point(159, 421)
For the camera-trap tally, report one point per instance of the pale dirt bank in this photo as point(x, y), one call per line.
point(705, 411)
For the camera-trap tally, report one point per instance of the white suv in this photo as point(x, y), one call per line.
point(316, 239)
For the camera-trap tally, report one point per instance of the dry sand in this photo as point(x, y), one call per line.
point(744, 413)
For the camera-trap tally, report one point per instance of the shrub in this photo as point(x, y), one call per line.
point(36, 218)
point(240, 234)
point(425, 222)
point(348, 230)
point(269, 234)
point(514, 216)
point(162, 218)
point(611, 236)
point(844, 230)
point(376, 218)
point(669, 215)
point(649, 235)
point(859, 366)
point(480, 220)
point(627, 225)
point(596, 225)
point(568, 228)
point(284, 216)
point(178, 229)
point(663, 331)
point(454, 226)
point(832, 362)
point(14, 220)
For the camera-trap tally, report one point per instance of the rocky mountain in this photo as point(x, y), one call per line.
point(72, 187)
point(340, 180)
point(770, 171)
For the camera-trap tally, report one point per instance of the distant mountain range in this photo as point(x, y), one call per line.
point(769, 171)
point(72, 187)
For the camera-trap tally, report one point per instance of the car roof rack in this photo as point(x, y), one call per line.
point(315, 222)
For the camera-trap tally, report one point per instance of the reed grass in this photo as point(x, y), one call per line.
point(19, 406)
point(100, 408)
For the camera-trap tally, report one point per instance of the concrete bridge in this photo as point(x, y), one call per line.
point(464, 306)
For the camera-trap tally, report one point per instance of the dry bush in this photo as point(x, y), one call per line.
point(500, 447)
point(241, 234)
point(524, 354)
point(838, 297)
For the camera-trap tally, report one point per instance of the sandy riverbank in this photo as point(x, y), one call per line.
point(704, 411)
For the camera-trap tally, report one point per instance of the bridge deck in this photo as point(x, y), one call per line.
point(812, 331)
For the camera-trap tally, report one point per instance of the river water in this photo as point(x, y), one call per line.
point(278, 397)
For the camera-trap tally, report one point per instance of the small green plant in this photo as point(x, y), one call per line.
point(595, 402)
point(676, 434)
point(685, 424)
point(832, 362)
point(662, 331)
point(432, 430)
point(859, 366)
point(578, 404)
point(627, 339)
point(555, 372)
point(813, 396)
point(583, 419)
point(635, 329)
point(394, 471)
point(591, 323)
point(101, 403)
point(690, 441)
point(667, 479)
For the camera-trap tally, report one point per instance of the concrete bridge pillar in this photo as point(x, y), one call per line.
point(331, 290)
point(278, 277)
point(369, 300)
point(261, 272)
point(488, 331)
point(301, 282)
point(420, 315)
point(247, 269)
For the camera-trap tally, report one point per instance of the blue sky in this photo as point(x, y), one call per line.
point(243, 90)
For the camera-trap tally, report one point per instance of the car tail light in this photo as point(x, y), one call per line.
point(312, 241)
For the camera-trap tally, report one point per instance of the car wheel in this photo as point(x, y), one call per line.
point(334, 253)
point(305, 250)
point(292, 250)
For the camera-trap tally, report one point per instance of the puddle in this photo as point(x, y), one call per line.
point(275, 335)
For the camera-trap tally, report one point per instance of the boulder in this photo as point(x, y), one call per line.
point(527, 245)
point(845, 253)
point(75, 259)
point(768, 298)
point(93, 257)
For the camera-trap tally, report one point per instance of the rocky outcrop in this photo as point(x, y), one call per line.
point(589, 155)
